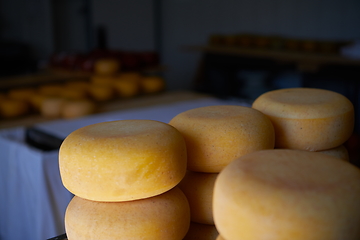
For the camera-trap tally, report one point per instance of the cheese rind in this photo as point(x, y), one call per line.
point(166, 216)
point(306, 118)
point(198, 188)
point(288, 194)
point(122, 160)
point(216, 135)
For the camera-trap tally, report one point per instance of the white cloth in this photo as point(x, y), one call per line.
point(32, 198)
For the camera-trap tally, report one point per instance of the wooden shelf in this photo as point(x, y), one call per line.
point(284, 56)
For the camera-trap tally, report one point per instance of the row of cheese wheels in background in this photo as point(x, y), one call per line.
point(214, 172)
point(76, 98)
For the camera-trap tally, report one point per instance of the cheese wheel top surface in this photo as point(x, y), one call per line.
point(308, 103)
point(288, 194)
point(122, 160)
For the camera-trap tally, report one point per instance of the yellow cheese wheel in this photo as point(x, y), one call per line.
point(220, 238)
point(199, 231)
point(122, 160)
point(77, 108)
point(216, 135)
point(21, 93)
point(12, 108)
point(152, 84)
point(107, 66)
point(198, 188)
point(339, 152)
point(126, 88)
point(288, 194)
point(307, 118)
point(166, 216)
point(101, 93)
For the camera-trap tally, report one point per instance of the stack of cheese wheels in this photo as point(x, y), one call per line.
point(287, 194)
point(308, 118)
point(215, 136)
point(124, 175)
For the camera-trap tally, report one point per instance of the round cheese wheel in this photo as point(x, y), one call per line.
point(166, 216)
point(51, 107)
point(122, 160)
point(107, 66)
point(152, 84)
point(36, 101)
point(339, 152)
point(216, 135)
point(51, 90)
point(12, 108)
point(77, 108)
point(307, 118)
point(220, 238)
point(126, 88)
point(101, 93)
point(288, 194)
point(198, 188)
point(21, 93)
point(199, 231)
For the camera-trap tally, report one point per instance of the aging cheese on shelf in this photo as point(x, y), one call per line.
point(288, 194)
point(308, 118)
point(165, 216)
point(122, 160)
point(216, 135)
point(198, 188)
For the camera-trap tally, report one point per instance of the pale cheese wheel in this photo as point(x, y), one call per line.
point(340, 152)
point(220, 238)
point(51, 107)
point(77, 108)
point(288, 194)
point(308, 118)
point(199, 231)
point(198, 188)
point(122, 160)
point(216, 135)
point(166, 216)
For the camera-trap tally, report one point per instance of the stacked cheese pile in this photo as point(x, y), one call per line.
point(214, 136)
point(293, 192)
point(124, 176)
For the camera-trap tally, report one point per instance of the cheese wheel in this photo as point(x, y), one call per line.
point(166, 216)
point(51, 107)
point(103, 80)
point(126, 88)
point(340, 152)
point(198, 188)
point(220, 238)
point(21, 93)
point(307, 118)
point(101, 93)
point(288, 194)
point(77, 108)
point(122, 160)
point(198, 231)
point(51, 90)
point(12, 108)
point(152, 84)
point(216, 135)
point(107, 66)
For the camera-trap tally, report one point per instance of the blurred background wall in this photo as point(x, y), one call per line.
point(46, 26)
